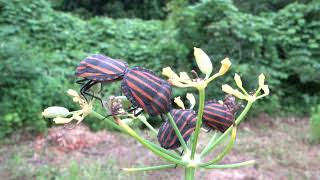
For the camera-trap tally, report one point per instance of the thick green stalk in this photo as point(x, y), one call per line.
point(152, 147)
point(225, 134)
point(199, 121)
point(189, 173)
point(146, 144)
point(176, 129)
point(228, 148)
point(236, 165)
point(150, 168)
point(110, 122)
point(172, 154)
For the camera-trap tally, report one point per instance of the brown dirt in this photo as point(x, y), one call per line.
point(280, 146)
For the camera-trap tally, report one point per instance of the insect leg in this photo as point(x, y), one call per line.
point(82, 81)
point(86, 87)
point(137, 113)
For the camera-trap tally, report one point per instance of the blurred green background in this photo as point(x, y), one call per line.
point(41, 43)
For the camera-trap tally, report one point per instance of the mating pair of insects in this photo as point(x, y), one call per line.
point(151, 93)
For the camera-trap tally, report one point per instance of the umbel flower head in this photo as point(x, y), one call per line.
point(205, 66)
point(244, 94)
point(60, 113)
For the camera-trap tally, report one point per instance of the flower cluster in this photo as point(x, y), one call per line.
point(60, 114)
point(205, 66)
point(244, 94)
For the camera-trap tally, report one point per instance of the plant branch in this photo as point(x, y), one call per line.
point(150, 168)
point(199, 121)
point(177, 131)
point(236, 165)
point(228, 148)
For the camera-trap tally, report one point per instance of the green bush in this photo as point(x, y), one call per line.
point(41, 47)
point(284, 44)
point(315, 124)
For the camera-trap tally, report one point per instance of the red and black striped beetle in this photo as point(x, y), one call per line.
point(186, 123)
point(220, 116)
point(146, 90)
point(99, 69)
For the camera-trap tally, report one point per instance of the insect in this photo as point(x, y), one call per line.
point(99, 69)
point(146, 90)
point(186, 123)
point(220, 116)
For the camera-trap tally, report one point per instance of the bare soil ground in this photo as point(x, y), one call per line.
point(280, 146)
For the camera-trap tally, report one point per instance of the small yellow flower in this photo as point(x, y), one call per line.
point(60, 114)
point(203, 61)
point(228, 89)
point(225, 65)
point(169, 73)
point(184, 77)
point(62, 120)
point(191, 99)
point(72, 92)
point(178, 101)
point(261, 80)
point(238, 80)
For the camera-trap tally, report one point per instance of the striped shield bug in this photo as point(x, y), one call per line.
point(146, 90)
point(99, 69)
point(186, 123)
point(220, 116)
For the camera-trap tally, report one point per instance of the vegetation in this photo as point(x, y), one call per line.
point(43, 41)
point(315, 124)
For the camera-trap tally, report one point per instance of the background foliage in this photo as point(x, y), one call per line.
point(43, 41)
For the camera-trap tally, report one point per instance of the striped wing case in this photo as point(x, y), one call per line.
point(217, 116)
point(101, 68)
point(144, 89)
point(186, 122)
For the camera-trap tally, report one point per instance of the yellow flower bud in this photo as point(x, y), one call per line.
point(261, 80)
point(176, 82)
point(265, 89)
point(178, 101)
point(227, 89)
point(169, 73)
point(61, 120)
point(238, 80)
point(225, 65)
point(55, 111)
point(72, 92)
point(238, 94)
point(203, 61)
point(184, 77)
point(191, 99)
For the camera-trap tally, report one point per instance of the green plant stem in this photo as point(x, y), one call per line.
point(189, 173)
point(146, 144)
point(199, 121)
point(213, 138)
point(228, 148)
point(177, 131)
point(174, 155)
point(225, 134)
point(145, 122)
point(153, 147)
point(236, 165)
point(150, 168)
point(108, 121)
